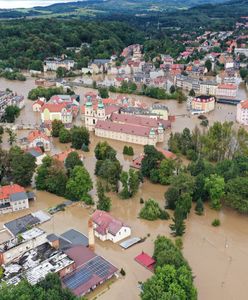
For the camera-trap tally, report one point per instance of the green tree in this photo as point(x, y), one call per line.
point(151, 160)
point(150, 211)
point(11, 113)
point(64, 136)
point(166, 171)
point(199, 208)
point(103, 93)
point(104, 202)
point(57, 125)
point(42, 172)
point(178, 225)
point(215, 186)
point(172, 89)
point(60, 72)
point(22, 166)
point(130, 181)
point(104, 151)
point(79, 184)
point(110, 171)
point(208, 65)
point(192, 93)
point(79, 136)
point(72, 160)
point(237, 194)
point(12, 136)
point(169, 283)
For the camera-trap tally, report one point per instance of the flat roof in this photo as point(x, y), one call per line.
point(32, 233)
point(130, 242)
point(21, 224)
point(75, 237)
point(18, 196)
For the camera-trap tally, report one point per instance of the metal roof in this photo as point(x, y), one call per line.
point(18, 196)
point(75, 237)
point(130, 242)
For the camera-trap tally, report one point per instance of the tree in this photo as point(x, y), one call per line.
point(42, 172)
point(104, 151)
point(237, 194)
point(171, 197)
point(110, 171)
point(60, 72)
point(215, 186)
point(151, 160)
point(199, 208)
point(169, 283)
point(192, 93)
point(72, 160)
point(11, 113)
point(104, 202)
point(166, 171)
point(130, 181)
point(57, 125)
point(151, 211)
point(208, 65)
point(79, 184)
point(79, 136)
point(48, 288)
point(12, 136)
point(128, 150)
point(22, 166)
point(103, 93)
point(64, 136)
point(178, 226)
point(243, 73)
point(172, 89)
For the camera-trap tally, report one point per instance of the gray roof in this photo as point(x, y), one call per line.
point(52, 237)
point(20, 225)
point(75, 237)
point(101, 61)
point(35, 153)
point(31, 195)
point(18, 196)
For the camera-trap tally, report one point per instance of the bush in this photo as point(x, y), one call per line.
point(122, 272)
point(128, 150)
point(141, 201)
point(151, 211)
point(216, 223)
point(64, 136)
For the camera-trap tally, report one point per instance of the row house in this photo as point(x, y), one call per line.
point(187, 83)
point(52, 64)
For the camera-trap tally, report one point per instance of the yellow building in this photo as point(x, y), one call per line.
point(203, 103)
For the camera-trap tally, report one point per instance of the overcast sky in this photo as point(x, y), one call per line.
point(28, 3)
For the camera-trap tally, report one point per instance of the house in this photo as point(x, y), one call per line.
point(62, 155)
point(208, 87)
point(13, 198)
point(99, 66)
point(37, 138)
point(242, 112)
point(37, 105)
point(107, 227)
point(56, 111)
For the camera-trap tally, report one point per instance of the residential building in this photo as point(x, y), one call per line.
point(8, 98)
point(13, 198)
point(56, 111)
point(203, 104)
point(208, 87)
point(241, 51)
point(37, 105)
point(242, 112)
point(37, 138)
point(38, 154)
point(227, 91)
point(107, 227)
point(52, 64)
point(99, 66)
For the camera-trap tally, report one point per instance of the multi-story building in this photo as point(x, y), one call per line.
point(242, 112)
point(52, 64)
point(187, 83)
point(208, 87)
point(227, 90)
point(8, 98)
point(13, 198)
point(56, 111)
point(203, 104)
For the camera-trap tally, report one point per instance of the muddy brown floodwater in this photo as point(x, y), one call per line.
point(218, 256)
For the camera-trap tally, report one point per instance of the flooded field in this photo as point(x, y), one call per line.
point(218, 256)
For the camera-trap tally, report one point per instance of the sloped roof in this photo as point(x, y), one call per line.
point(7, 190)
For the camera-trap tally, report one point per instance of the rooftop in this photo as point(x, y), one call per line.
point(145, 260)
point(7, 190)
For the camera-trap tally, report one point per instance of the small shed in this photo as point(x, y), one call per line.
point(145, 260)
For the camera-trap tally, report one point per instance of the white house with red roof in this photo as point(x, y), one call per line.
point(37, 105)
point(107, 227)
point(13, 198)
point(242, 112)
point(37, 138)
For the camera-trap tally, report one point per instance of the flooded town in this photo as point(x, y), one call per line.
point(123, 174)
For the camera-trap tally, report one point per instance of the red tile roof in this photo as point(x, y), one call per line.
point(227, 86)
point(37, 134)
point(54, 107)
point(62, 155)
point(106, 223)
point(244, 104)
point(145, 260)
point(7, 190)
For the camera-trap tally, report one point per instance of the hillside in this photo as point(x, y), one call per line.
point(94, 8)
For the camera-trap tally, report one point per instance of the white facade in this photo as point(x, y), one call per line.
point(207, 88)
point(53, 65)
point(123, 233)
point(242, 113)
point(227, 90)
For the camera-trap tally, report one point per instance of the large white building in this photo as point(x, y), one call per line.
point(242, 112)
point(227, 90)
point(52, 64)
point(107, 227)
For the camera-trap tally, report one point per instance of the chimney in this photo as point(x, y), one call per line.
point(91, 235)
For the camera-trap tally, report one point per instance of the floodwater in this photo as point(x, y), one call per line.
point(218, 256)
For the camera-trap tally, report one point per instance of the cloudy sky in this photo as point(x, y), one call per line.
point(28, 3)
